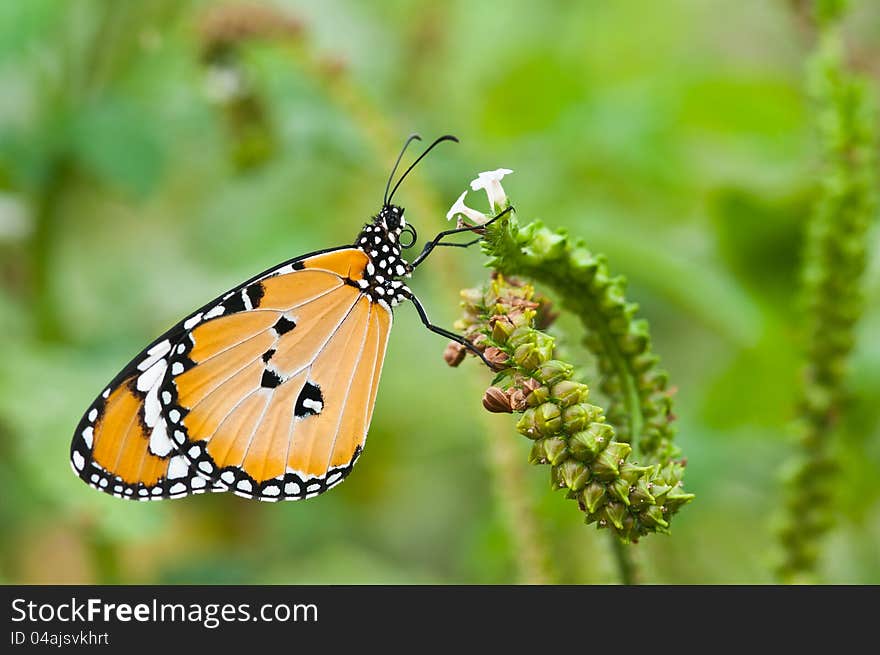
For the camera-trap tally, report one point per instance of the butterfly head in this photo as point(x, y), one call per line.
point(391, 222)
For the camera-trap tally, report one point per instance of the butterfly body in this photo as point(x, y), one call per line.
point(267, 391)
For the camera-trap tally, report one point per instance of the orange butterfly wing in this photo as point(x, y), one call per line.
point(121, 445)
point(271, 390)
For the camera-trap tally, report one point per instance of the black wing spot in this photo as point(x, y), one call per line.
point(270, 379)
point(310, 401)
point(284, 325)
point(298, 266)
point(234, 304)
point(268, 355)
point(255, 293)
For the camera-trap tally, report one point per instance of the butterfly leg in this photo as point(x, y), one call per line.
point(436, 241)
point(446, 333)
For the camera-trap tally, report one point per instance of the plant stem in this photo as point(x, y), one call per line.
point(530, 551)
point(624, 557)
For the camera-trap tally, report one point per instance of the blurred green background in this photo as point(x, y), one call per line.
point(154, 154)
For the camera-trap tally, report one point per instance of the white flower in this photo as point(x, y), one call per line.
point(491, 182)
point(459, 208)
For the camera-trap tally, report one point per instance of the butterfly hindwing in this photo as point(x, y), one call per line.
point(270, 391)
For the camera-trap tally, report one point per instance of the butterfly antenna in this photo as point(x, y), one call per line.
point(445, 137)
point(410, 139)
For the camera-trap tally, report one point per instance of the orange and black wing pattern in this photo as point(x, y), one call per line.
point(268, 391)
point(121, 444)
point(271, 390)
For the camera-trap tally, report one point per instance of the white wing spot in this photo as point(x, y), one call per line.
point(192, 321)
point(160, 444)
point(78, 461)
point(292, 489)
point(217, 311)
point(314, 405)
point(147, 380)
point(177, 467)
point(88, 436)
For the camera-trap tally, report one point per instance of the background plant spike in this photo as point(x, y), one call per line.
point(569, 434)
point(834, 261)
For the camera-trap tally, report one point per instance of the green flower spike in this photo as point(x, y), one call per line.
point(569, 434)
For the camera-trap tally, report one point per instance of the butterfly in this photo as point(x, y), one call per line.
point(268, 390)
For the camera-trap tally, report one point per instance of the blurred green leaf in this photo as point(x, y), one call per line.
point(118, 143)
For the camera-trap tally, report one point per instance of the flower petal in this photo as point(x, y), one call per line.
point(490, 181)
point(459, 208)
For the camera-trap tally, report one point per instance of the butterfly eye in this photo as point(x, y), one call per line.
point(411, 231)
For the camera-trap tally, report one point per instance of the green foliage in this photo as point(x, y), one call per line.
point(678, 146)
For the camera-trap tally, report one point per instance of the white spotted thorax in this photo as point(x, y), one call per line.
point(490, 181)
point(380, 241)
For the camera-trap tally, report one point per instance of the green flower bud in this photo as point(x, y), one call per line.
point(592, 497)
point(537, 454)
point(527, 356)
point(653, 517)
point(607, 464)
point(587, 444)
point(538, 396)
point(574, 474)
point(554, 371)
point(614, 513)
point(641, 495)
point(676, 498)
point(501, 331)
point(526, 425)
point(569, 392)
point(659, 491)
point(620, 488)
point(521, 335)
point(548, 419)
point(630, 472)
point(576, 418)
point(555, 450)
